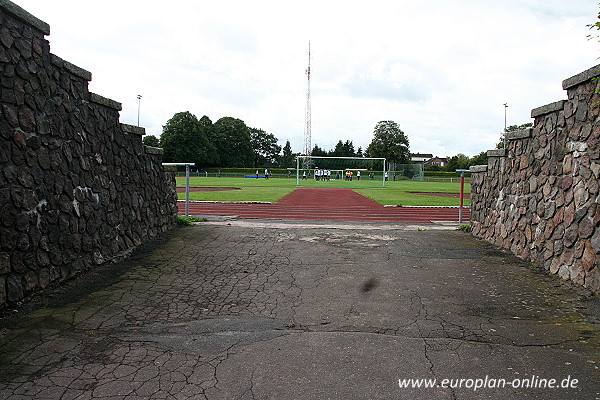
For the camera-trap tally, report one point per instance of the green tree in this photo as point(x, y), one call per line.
point(286, 160)
point(151, 141)
point(184, 139)
point(317, 151)
point(338, 150)
point(513, 128)
point(479, 159)
point(389, 142)
point(265, 147)
point(459, 161)
point(233, 142)
point(206, 122)
point(349, 149)
point(594, 26)
point(343, 149)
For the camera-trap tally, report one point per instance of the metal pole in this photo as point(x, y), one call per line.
point(505, 107)
point(297, 171)
point(139, 96)
point(462, 193)
point(187, 190)
point(462, 196)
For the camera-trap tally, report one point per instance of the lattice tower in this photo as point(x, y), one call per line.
point(307, 125)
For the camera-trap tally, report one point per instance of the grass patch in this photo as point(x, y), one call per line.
point(399, 194)
point(464, 228)
point(187, 221)
point(250, 193)
point(271, 190)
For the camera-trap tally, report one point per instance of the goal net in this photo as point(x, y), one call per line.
point(400, 172)
point(352, 172)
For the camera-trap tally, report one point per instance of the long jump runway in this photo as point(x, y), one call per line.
point(327, 204)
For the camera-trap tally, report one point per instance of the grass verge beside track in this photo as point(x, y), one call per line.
point(249, 193)
point(401, 194)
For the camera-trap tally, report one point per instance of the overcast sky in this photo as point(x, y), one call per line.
point(442, 69)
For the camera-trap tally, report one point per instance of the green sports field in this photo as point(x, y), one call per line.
point(396, 193)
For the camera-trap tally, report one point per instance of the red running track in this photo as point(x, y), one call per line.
point(327, 204)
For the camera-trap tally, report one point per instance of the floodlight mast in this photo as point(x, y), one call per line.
point(307, 124)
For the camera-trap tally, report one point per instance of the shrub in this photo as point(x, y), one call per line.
point(464, 228)
point(186, 221)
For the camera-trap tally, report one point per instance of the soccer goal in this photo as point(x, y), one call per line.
point(353, 172)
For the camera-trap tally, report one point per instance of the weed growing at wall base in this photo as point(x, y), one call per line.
point(464, 228)
point(187, 221)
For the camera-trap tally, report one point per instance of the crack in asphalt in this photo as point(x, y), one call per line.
point(180, 319)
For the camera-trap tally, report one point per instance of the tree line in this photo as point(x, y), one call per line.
point(460, 161)
point(389, 142)
point(228, 142)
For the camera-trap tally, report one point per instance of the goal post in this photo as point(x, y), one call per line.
point(352, 172)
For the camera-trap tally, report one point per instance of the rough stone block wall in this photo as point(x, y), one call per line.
point(77, 188)
point(539, 197)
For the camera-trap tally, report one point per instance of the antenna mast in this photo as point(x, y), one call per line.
point(307, 132)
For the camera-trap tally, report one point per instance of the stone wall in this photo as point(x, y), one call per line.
point(539, 197)
point(77, 188)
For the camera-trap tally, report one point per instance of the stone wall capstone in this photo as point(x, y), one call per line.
point(540, 198)
point(77, 188)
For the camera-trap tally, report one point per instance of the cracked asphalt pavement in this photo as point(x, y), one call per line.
point(274, 310)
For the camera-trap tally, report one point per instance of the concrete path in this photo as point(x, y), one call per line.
point(279, 310)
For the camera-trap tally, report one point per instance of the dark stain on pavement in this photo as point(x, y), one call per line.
point(369, 285)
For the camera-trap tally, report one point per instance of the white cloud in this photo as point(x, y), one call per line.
point(441, 69)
